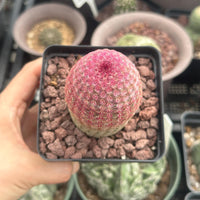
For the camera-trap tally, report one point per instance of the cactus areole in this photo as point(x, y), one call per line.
point(103, 91)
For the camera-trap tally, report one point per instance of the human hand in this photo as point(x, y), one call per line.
point(21, 167)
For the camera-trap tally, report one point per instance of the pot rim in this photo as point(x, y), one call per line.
point(160, 21)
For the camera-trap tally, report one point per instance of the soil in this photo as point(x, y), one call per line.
point(61, 139)
point(159, 194)
point(190, 136)
point(168, 49)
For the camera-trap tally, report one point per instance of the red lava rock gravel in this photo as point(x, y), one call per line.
point(61, 139)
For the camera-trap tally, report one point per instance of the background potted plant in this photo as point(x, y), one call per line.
point(61, 135)
point(190, 121)
point(132, 180)
point(180, 38)
point(130, 187)
point(47, 24)
point(61, 191)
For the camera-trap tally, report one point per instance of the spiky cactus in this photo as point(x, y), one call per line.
point(124, 181)
point(40, 192)
point(124, 6)
point(103, 91)
point(130, 39)
point(193, 27)
point(50, 36)
point(194, 19)
point(194, 36)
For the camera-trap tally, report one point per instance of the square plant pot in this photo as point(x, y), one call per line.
point(190, 124)
point(59, 138)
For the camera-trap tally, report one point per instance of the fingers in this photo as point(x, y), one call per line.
point(21, 89)
point(44, 172)
point(29, 127)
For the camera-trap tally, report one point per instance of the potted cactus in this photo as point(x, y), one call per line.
point(130, 180)
point(173, 41)
point(191, 146)
point(61, 191)
point(101, 103)
point(48, 24)
point(109, 8)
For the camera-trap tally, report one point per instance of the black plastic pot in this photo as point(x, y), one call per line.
point(192, 196)
point(148, 52)
point(191, 119)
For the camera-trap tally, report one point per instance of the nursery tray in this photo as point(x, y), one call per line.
point(144, 52)
point(191, 119)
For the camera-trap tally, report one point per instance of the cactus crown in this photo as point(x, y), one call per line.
point(50, 36)
point(130, 39)
point(103, 91)
point(123, 6)
point(124, 181)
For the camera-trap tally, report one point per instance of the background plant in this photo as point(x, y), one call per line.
point(126, 181)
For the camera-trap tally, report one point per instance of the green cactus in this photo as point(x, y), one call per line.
point(40, 192)
point(123, 6)
point(194, 36)
point(130, 39)
point(194, 19)
point(124, 181)
point(195, 152)
point(50, 36)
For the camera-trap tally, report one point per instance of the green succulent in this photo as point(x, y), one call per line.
point(50, 36)
point(195, 152)
point(194, 36)
point(194, 19)
point(130, 39)
point(40, 192)
point(123, 6)
point(124, 181)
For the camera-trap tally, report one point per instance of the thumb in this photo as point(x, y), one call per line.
point(45, 172)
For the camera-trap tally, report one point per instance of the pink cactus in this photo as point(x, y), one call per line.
point(103, 91)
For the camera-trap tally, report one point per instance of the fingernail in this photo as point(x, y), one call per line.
point(76, 167)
